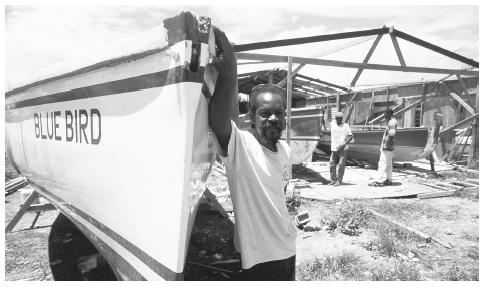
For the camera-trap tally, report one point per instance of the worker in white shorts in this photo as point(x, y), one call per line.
point(340, 136)
point(384, 169)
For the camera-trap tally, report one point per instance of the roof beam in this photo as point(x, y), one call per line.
point(396, 47)
point(322, 82)
point(306, 40)
point(315, 85)
point(435, 48)
point(322, 62)
point(366, 59)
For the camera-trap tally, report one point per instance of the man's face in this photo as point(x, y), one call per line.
point(338, 120)
point(269, 117)
point(387, 116)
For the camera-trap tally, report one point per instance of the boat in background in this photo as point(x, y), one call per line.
point(410, 143)
point(119, 142)
point(305, 130)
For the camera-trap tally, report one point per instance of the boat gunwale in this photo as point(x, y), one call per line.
point(90, 68)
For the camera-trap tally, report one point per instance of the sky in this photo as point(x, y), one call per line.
point(39, 36)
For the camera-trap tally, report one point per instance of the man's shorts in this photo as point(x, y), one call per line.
point(278, 270)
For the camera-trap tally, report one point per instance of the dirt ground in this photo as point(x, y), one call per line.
point(342, 241)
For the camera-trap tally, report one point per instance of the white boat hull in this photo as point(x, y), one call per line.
point(128, 171)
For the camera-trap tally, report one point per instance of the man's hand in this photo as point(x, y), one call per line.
point(224, 62)
point(220, 108)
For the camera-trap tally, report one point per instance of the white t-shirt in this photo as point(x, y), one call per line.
point(338, 135)
point(257, 177)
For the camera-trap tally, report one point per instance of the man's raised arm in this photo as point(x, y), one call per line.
point(220, 108)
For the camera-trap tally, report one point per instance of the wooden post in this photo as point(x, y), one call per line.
point(25, 206)
point(465, 90)
point(474, 137)
point(338, 102)
point(294, 72)
point(402, 117)
point(289, 98)
point(387, 98)
point(423, 99)
point(371, 107)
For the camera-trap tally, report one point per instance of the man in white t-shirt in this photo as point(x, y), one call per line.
point(340, 136)
point(384, 166)
point(258, 168)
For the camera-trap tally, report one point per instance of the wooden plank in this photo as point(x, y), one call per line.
point(289, 98)
point(448, 185)
point(459, 99)
point(41, 207)
point(33, 196)
point(14, 182)
point(435, 48)
point(462, 183)
point(14, 185)
point(459, 124)
point(469, 170)
point(381, 117)
point(306, 40)
point(418, 233)
point(436, 194)
point(435, 186)
point(396, 47)
point(423, 100)
point(366, 59)
point(474, 181)
point(408, 107)
point(333, 63)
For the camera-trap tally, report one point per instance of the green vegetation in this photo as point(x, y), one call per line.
point(344, 266)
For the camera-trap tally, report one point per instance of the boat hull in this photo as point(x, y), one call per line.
point(123, 151)
point(410, 144)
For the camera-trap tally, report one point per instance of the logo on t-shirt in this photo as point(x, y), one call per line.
point(286, 172)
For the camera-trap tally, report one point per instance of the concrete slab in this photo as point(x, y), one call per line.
point(356, 182)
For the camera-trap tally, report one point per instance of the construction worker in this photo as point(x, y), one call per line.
point(340, 136)
point(384, 166)
point(258, 168)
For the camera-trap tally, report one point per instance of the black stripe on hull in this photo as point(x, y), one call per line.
point(154, 80)
point(154, 265)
